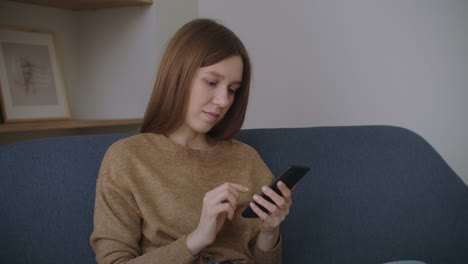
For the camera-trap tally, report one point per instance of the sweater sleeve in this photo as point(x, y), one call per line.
point(117, 223)
point(272, 256)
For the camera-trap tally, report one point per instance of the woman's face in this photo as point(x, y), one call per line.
point(212, 93)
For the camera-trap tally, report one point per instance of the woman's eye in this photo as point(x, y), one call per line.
point(210, 83)
point(233, 89)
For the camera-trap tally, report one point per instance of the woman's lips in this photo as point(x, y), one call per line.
point(211, 116)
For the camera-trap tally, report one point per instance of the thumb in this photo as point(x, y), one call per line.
point(221, 218)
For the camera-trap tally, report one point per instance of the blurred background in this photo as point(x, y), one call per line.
point(316, 62)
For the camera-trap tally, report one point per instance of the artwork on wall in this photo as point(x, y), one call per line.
point(31, 82)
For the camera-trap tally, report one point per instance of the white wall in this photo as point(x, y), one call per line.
point(170, 16)
point(117, 62)
point(330, 62)
point(119, 52)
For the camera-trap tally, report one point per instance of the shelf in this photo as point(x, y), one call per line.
point(86, 4)
point(26, 127)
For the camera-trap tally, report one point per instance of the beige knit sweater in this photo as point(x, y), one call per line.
point(149, 197)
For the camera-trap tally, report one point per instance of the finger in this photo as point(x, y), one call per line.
point(222, 208)
point(272, 208)
point(237, 187)
point(234, 187)
point(285, 191)
point(277, 199)
point(222, 197)
point(264, 216)
point(222, 189)
point(227, 196)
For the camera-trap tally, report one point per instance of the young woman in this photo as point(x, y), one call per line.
point(175, 192)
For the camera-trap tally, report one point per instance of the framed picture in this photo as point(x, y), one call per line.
point(31, 83)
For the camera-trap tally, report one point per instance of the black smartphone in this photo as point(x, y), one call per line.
point(290, 177)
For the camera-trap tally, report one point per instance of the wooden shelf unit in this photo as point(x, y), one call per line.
point(72, 124)
point(86, 4)
point(14, 132)
point(11, 133)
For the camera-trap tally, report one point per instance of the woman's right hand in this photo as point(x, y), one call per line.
point(218, 204)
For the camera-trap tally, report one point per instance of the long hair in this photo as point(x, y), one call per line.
point(199, 43)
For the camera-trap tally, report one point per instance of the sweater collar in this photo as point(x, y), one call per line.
point(214, 155)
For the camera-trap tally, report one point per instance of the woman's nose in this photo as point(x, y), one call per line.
point(221, 97)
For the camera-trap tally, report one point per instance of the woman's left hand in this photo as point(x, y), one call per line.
point(277, 210)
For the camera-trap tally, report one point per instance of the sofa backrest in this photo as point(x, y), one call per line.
point(374, 194)
point(47, 198)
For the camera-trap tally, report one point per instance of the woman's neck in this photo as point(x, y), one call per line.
point(192, 140)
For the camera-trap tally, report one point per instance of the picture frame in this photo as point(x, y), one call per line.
point(31, 81)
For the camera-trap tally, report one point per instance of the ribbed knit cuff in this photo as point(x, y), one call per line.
point(181, 252)
point(176, 252)
point(269, 256)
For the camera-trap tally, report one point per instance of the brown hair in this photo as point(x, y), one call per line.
point(199, 43)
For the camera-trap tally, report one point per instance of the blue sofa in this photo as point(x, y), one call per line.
point(374, 194)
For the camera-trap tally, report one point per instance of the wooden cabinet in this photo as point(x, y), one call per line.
point(73, 124)
point(10, 133)
point(85, 4)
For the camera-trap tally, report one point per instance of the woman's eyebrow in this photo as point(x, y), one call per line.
point(222, 77)
point(219, 75)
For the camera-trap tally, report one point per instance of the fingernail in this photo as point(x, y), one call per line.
point(255, 197)
point(246, 188)
point(264, 188)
